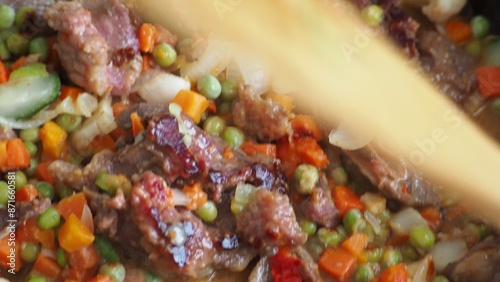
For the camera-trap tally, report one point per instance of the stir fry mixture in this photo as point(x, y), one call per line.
point(128, 154)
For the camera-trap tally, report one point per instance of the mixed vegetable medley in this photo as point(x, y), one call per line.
point(128, 154)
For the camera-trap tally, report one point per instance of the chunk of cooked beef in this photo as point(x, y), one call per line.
point(480, 264)
point(309, 268)
point(319, 207)
point(265, 120)
point(145, 110)
point(392, 176)
point(269, 222)
point(27, 210)
point(401, 28)
point(97, 47)
point(449, 66)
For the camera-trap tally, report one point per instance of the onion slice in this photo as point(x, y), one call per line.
point(156, 86)
point(347, 138)
point(447, 251)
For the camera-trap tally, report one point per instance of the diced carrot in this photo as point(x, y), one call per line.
point(70, 91)
point(284, 100)
point(74, 235)
point(30, 232)
point(147, 62)
point(101, 278)
point(46, 237)
point(18, 156)
point(20, 62)
point(84, 258)
point(286, 152)
point(432, 215)
point(458, 31)
point(77, 275)
point(196, 194)
point(338, 263)
point(488, 79)
point(212, 107)
point(27, 193)
point(4, 73)
point(47, 266)
point(118, 132)
point(395, 273)
point(42, 172)
point(3, 153)
point(310, 151)
point(303, 125)
point(137, 125)
point(118, 107)
point(252, 148)
point(398, 240)
point(192, 104)
point(345, 199)
point(355, 244)
point(53, 139)
point(102, 143)
point(147, 37)
point(73, 204)
point(10, 251)
point(285, 267)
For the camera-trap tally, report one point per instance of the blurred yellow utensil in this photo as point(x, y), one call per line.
point(347, 71)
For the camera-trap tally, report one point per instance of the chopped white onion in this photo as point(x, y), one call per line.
point(419, 270)
point(156, 86)
point(87, 218)
point(213, 61)
point(101, 123)
point(179, 198)
point(373, 202)
point(406, 219)
point(253, 71)
point(373, 221)
point(447, 251)
point(348, 139)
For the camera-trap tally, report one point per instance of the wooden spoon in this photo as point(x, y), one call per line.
point(347, 71)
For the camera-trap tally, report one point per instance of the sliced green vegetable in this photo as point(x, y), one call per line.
point(106, 249)
point(36, 70)
point(24, 97)
point(69, 122)
point(61, 257)
point(109, 183)
point(30, 134)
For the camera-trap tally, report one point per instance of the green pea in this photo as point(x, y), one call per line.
point(30, 134)
point(115, 271)
point(39, 45)
point(484, 231)
point(364, 273)
point(106, 249)
point(61, 258)
point(224, 108)
point(20, 179)
point(351, 218)
point(329, 238)
point(7, 16)
point(68, 122)
point(390, 257)
point(342, 232)
point(209, 86)
point(491, 53)
point(151, 277)
point(214, 125)
point(229, 92)
point(17, 44)
point(32, 148)
point(49, 219)
point(208, 212)
point(308, 227)
point(339, 175)
point(374, 255)
point(45, 189)
point(421, 237)
point(480, 26)
point(409, 253)
point(372, 15)
point(4, 193)
point(29, 251)
point(21, 15)
point(36, 278)
point(233, 136)
point(4, 51)
point(306, 178)
point(474, 47)
point(164, 55)
point(440, 278)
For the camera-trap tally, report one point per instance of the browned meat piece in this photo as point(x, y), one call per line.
point(145, 110)
point(264, 120)
point(319, 208)
point(309, 268)
point(97, 47)
point(269, 222)
point(401, 28)
point(449, 66)
point(27, 210)
point(6, 133)
point(480, 264)
point(393, 177)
